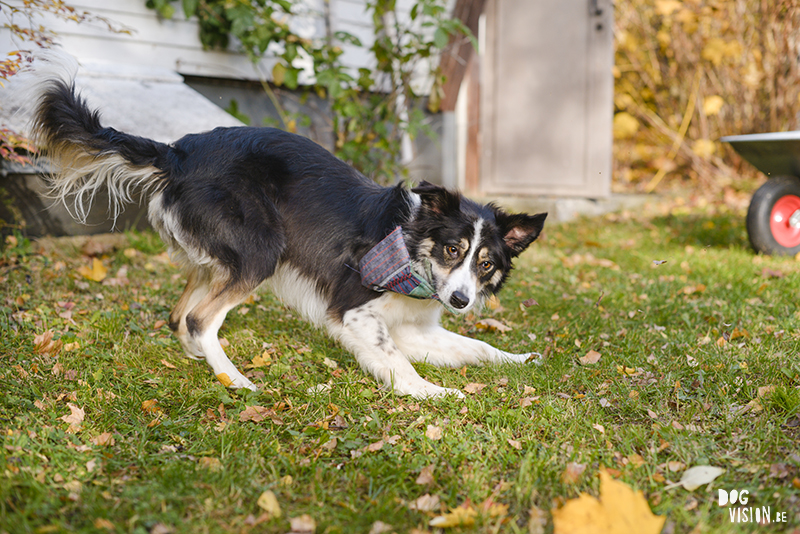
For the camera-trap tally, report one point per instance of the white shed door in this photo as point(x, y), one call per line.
point(547, 97)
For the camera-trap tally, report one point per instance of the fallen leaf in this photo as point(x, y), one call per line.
point(458, 517)
point(515, 444)
point(491, 325)
point(379, 527)
point(426, 475)
point(590, 358)
point(207, 462)
point(433, 432)
point(697, 476)
point(676, 466)
point(104, 439)
point(75, 417)
point(224, 379)
point(537, 520)
point(269, 503)
point(619, 510)
point(474, 387)
point(659, 262)
point(426, 503)
point(168, 365)
point(529, 302)
point(600, 428)
point(257, 414)
point(44, 344)
point(151, 406)
point(97, 272)
point(374, 447)
point(303, 524)
point(572, 473)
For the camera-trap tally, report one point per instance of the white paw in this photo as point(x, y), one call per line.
point(236, 380)
point(528, 357)
point(422, 389)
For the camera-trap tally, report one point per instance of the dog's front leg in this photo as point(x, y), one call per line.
point(364, 333)
point(438, 346)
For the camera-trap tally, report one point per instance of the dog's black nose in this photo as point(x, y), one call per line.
point(458, 300)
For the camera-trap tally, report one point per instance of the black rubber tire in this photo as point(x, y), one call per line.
point(760, 210)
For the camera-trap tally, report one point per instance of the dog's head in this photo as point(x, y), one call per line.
point(469, 246)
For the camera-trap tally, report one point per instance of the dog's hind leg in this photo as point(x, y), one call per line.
point(203, 322)
point(197, 287)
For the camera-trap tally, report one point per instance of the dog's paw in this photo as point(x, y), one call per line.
point(432, 391)
point(237, 381)
point(423, 389)
point(528, 357)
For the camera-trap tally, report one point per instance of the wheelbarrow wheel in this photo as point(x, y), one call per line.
point(773, 219)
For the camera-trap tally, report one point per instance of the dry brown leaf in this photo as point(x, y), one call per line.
point(168, 365)
point(491, 325)
point(474, 387)
point(426, 503)
point(104, 439)
point(45, 345)
point(74, 419)
point(590, 358)
point(151, 406)
point(619, 510)
point(433, 432)
point(379, 527)
point(303, 524)
point(573, 472)
point(515, 444)
point(426, 475)
point(207, 462)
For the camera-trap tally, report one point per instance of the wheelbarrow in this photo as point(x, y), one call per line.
point(773, 218)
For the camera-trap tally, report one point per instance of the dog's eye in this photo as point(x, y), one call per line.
point(487, 266)
point(451, 250)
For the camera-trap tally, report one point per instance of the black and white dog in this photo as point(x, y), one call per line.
point(241, 207)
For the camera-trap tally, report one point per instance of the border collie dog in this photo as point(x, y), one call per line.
point(241, 207)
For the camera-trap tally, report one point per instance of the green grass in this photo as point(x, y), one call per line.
point(186, 463)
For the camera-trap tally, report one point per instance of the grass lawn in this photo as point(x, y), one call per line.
point(106, 427)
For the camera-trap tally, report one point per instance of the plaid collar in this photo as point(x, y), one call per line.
point(388, 267)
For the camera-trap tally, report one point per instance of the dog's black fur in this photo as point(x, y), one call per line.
point(235, 205)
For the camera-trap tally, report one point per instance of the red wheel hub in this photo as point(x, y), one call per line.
point(784, 221)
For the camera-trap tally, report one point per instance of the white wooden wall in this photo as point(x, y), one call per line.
point(174, 44)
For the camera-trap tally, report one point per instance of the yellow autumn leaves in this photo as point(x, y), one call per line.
point(689, 72)
point(618, 510)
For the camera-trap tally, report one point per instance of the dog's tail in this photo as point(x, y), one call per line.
point(85, 156)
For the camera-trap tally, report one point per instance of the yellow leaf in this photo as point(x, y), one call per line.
point(458, 517)
point(704, 147)
point(96, 273)
point(278, 73)
point(269, 503)
point(712, 104)
point(619, 510)
point(263, 360)
point(625, 125)
point(207, 462)
point(224, 379)
point(667, 7)
point(491, 325)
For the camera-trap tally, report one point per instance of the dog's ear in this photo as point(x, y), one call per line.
point(437, 199)
point(519, 230)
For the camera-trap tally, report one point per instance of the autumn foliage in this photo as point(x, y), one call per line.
point(689, 72)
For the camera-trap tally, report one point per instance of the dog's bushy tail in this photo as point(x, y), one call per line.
point(85, 156)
